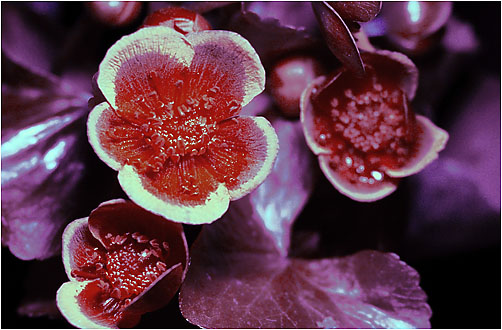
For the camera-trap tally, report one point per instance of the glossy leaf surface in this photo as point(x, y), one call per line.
point(42, 124)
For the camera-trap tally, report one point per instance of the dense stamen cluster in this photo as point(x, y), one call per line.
point(174, 124)
point(371, 128)
point(131, 264)
point(372, 120)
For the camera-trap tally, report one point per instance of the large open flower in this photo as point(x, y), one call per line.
point(363, 130)
point(170, 125)
point(122, 262)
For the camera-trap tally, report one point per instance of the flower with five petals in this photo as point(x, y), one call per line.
point(171, 126)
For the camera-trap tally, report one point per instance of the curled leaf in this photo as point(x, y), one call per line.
point(277, 206)
point(28, 39)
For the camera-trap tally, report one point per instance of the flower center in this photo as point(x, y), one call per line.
point(368, 127)
point(174, 116)
point(125, 270)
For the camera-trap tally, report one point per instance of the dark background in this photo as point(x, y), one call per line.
point(463, 285)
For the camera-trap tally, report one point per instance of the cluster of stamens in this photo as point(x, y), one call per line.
point(177, 126)
point(372, 120)
point(131, 264)
point(369, 130)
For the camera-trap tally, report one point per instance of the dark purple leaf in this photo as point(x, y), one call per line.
point(241, 277)
point(359, 11)
point(338, 37)
point(275, 28)
point(29, 39)
point(43, 125)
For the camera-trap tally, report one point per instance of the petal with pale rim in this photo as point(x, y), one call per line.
point(244, 154)
point(155, 48)
point(394, 68)
point(432, 140)
point(75, 238)
point(98, 129)
point(74, 308)
point(167, 194)
point(227, 54)
point(307, 117)
point(358, 192)
point(171, 204)
point(68, 304)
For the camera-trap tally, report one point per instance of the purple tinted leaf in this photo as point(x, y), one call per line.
point(42, 128)
point(29, 39)
point(233, 286)
point(295, 15)
point(338, 37)
point(281, 197)
point(360, 11)
point(241, 277)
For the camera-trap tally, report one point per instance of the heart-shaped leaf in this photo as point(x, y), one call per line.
point(240, 276)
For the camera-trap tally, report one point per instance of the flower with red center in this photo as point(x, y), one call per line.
point(171, 126)
point(363, 130)
point(122, 261)
point(180, 19)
